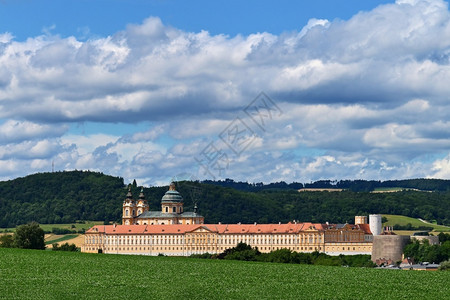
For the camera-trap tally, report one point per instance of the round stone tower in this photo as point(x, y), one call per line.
point(375, 224)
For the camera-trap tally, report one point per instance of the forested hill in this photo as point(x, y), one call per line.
point(422, 184)
point(65, 197)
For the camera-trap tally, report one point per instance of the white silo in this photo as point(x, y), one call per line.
point(375, 224)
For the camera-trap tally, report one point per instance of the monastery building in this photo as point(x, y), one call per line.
point(172, 231)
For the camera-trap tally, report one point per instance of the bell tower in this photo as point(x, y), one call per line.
point(129, 209)
point(142, 205)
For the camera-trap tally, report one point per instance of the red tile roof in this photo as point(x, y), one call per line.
point(365, 228)
point(219, 228)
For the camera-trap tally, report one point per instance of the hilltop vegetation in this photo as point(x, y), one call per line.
point(65, 197)
point(72, 275)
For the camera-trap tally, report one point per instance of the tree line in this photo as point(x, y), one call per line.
point(242, 251)
point(67, 197)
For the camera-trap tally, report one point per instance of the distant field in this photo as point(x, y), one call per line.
point(60, 238)
point(392, 189)
point(27, 274)
point(77, 226)
point(402, 220)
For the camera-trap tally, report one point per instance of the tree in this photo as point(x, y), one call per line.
point(6, 241)
point(29, 236)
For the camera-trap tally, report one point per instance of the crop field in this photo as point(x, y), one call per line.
point(33, 274)
point(402, 220)
point(59, 238)
point(71, 226)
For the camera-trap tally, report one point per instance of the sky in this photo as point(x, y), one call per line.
point(257, 91)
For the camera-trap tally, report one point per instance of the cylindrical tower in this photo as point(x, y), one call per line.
point(360, 220)
point(375, 224)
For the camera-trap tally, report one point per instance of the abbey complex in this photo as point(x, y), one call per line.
point(172, 231)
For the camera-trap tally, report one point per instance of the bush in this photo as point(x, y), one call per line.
point(445, 266)
point(64, 247)
point(6, 241)
point(29, 236)
point(62, 231)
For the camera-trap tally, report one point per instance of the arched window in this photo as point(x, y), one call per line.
point(167, 209)
point(126, 212)
point(174, 209)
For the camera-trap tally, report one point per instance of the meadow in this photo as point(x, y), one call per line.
point(70, 226)
point(34, 274)
point(403, 220)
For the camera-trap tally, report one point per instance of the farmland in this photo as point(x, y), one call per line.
point(31, 274)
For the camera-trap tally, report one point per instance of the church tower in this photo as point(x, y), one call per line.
point(172, 202)
point(129, 209)
point(142, 205)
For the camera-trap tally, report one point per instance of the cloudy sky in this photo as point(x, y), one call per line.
point(260, 91)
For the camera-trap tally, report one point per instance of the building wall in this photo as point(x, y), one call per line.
point(203, 241)
point(388, 247)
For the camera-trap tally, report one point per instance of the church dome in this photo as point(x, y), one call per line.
point(172, 195)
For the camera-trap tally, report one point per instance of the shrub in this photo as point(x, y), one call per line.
point(445, 266)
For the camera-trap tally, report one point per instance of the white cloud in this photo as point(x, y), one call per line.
point(361, 98)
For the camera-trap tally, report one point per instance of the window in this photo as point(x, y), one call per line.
point(126, 212)
point(167, 209)
point(174, 209)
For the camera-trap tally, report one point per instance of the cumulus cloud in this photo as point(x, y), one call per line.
point(361, 98)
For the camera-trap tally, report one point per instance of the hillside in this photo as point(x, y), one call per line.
point(72, 275)
point(65, 197)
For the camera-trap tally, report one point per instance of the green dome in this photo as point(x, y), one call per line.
point(172, 196)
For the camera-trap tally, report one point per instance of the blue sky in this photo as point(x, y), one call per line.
point(154, 90)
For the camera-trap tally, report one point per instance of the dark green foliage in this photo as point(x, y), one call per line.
point(410, 227)
point(65, 197)
point(245, 252)
point(29, 236)
point(60, 231)
point(64, 247)
point(445, 266)
point(424, 252)
point(443, 237)
point(242, 251)
point(6, 241)
point(60, 197)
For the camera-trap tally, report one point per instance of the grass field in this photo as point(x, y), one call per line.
point(402, 220)
point(390, 189)
point(72, 226)
point(33, 274)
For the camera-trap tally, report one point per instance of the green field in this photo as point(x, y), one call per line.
point(71, 226)
point(391, 189)
point(33, 274)
point(402, 220)
point(63, 238)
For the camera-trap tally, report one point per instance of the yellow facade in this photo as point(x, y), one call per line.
point(182, 241)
